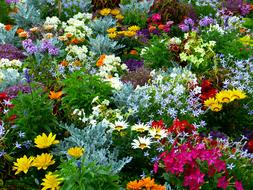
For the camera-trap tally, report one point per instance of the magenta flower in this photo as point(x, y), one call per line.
point(222, 182)
point(194, 180)
point(238, 185)
point(156, 17)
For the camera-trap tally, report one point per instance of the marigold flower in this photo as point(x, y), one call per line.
point(8, 27)
point(75, 152)
point(43, 161)
point(134, 185)
point(23, 34)
point(23, 164)
point(129, 33)
point(44, 141)
point(100, 60)
point(75, 41)
point(237, 94)
point(105, 11)
point(133, 52)
point(55, 95)
point(19, 30)
point(51, 181)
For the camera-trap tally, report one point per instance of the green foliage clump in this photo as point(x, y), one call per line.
point(100, 4)
point(81, 88)
point(156, 54)
point(136, 12)
point(34, 113)
point(227, 44)
point(87, 177)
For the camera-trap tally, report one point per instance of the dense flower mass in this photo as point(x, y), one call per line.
point(126, 94)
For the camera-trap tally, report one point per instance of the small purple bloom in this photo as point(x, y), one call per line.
point(134, 64)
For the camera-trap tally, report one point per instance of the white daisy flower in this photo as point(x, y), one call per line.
point(141, 142)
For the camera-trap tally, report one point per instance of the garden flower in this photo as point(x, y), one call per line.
point(140, 128)
point(146, 183)
point(8, 27)
point(105, 11)
point(157, 133)
point(141, 142)
point(134, 28)
point(209, 102)
point(129, 33)
point(216, 107)
point(112, 35)
point(119, 126)
point(222, 182)
point(224, 96)
point(238, 185)
point(115, 11)
point(55, 95)
point(19, 30)
point(51, 181)
point(238, 94)
point(119, 17)
point(100, 61)
point(134, 185)
point(44, 141)
point(23, 164)
point(111, 30)
point(43, 161)
point(75, 152)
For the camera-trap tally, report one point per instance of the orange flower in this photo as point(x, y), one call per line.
point(64, 63)
point(8, 27)
point(100, 60)
point(134, 185)
point(251, 7)
point(69, 35)
point(242, 30)
point(161, 26)
point(77, 63)
point(151, 28)
point(147, 182)
point(55, 95)
point(19, 30)
point(23, 34)
point(133, 52)
point(74, 41)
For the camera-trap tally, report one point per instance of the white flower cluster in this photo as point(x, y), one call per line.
point(51, 23)
point(6, 63)
point(76, 53)
point(1, 25)
point(77, 26)
point(110, 70)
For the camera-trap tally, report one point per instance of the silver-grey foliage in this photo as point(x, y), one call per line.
point(97, 141)
point(101, 25)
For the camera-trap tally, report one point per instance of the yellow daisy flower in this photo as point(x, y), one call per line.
point(75, 152)
point(129, 33)
point(238, 94)
point(224, 96)
point(119, 17)
point(115, 11)
point(111, 30)
point(209, 102)
point(105, 11)
point(121, 32)
point(134, 28)
point(216, 107)
point(22, 164)
point(51, 181)
point(112, 35)
point(44, 141)
point(43, 161)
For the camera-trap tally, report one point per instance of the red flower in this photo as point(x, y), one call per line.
point(181, 126)
point(250, 145)
point(222, 182)
point(3, 95)
point(158, 124)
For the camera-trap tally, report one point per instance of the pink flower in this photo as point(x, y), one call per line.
point(220, 165)
point(156, 17)
point(222, 182)
point(194, 180)
point(238, 185)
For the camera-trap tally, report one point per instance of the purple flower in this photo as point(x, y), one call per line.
point(29, 46)
point(45, 45)
point(245, 9)
point(189, 22)
point(14, 90)
point(184, 28)
point(11, 1)
point(133, 64)
point(206, 21)
point(10, 52)
point(53, 51)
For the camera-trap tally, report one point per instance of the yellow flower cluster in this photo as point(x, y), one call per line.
point(224, 96)
point(75, 152)
point(130, 32)
point(113, 12)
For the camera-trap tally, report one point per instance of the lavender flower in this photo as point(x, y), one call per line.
point(206, 21)
point(14, 90)
point(29, 46)
point(11, 1)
